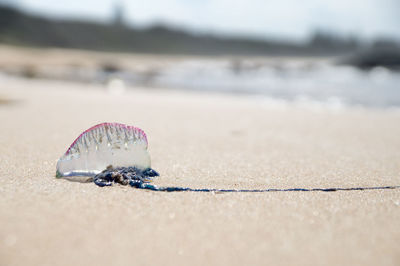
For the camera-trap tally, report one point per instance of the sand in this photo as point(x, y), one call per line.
point(199, 140)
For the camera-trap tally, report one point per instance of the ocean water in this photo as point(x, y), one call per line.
point(319, 82)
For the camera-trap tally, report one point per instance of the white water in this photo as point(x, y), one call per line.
point(291, 81)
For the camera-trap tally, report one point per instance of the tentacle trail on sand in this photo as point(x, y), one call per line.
point(182, 189)
point(141, 179)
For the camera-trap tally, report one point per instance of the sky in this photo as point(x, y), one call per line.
point(279, 19)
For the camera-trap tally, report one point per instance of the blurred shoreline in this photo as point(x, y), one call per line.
point(318, 81)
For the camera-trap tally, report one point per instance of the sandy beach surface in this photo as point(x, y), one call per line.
point(201, 141)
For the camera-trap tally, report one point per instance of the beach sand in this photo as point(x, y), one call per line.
point(201, 141)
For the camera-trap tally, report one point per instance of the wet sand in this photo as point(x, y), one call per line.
point(201, 141)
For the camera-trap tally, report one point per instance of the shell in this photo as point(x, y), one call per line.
point(103, 145)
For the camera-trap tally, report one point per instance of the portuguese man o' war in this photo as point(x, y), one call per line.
point(111, 153)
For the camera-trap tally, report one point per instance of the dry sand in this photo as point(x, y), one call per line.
point(199, 140)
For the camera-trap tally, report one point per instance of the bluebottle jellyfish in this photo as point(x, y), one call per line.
point(110, 153)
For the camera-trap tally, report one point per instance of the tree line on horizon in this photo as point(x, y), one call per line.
point(19, 28)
